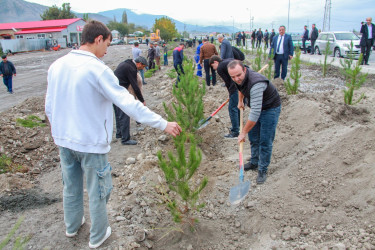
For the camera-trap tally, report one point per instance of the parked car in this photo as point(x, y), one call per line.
point(339, 43)
point(297, 42)
point(117, 42)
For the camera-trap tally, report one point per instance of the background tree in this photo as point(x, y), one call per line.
point(54, 12)
point(120, 27)
point(167, 28)
point(124, 17)
point(85, 17)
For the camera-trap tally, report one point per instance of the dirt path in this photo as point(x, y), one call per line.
point(319, 194)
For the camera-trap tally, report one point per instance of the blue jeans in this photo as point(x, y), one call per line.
point(234, 113)
point(261, 138)
point(97, 171)
point(142, 73)
point(8, 82)
point(165, 59)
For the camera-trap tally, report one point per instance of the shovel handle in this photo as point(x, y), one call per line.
point(241, 148)
point(222, 105)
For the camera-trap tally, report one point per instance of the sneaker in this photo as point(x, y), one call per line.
point(70, 235)
point(106, 236)
point(231, 135)
point(129, 142)
point(262, 177)
point(248, 166)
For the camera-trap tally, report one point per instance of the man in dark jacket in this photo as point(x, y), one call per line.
point(264, 115)
point(272, 35)
point(126, 72)
point(178, 58)
point(367, 39)
point(282, 49)
point(253, 38)
point(313, 37)
point(225, 48)
point(305, 37)
point(151, 56)
point(7, 70)
point(234, 114)
point(266, 36)
point(259, 36)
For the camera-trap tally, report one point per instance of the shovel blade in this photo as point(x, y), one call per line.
point(239, 192)
point(203, 125)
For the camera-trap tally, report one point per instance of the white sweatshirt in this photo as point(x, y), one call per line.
point(80, 93)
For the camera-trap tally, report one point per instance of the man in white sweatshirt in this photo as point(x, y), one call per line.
point(80, 93)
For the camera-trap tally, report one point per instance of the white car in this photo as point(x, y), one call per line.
point(339, 43)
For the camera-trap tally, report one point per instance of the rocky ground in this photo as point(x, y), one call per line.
point(319, 193)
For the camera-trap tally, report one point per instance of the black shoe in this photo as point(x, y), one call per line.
point(231, 135)
point(248, 166)
point(129, 142)
point(144, 83)
point(365, 64)
point(262, 177)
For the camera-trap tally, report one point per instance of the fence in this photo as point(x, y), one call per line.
point(23, 45)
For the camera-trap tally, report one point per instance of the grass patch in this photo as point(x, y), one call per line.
point(150, 72)
point(30, 122)
point(7, 165)
point(20, 242)
point(172, 73)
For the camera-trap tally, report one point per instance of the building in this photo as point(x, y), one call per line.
point(63, 31)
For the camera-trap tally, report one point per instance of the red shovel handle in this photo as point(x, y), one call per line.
point(222, 105)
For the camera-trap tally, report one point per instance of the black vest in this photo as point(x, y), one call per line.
point(271, 98)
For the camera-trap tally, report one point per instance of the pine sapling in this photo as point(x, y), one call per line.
point(268, 72)
point(188, 110)
point(327, 52)
point(257, 65)
point(295, 74)
point(354, 80)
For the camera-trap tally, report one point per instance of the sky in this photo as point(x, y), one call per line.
point(345, 14)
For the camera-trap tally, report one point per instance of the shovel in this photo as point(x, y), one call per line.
point(204, 122)
point(239, 192)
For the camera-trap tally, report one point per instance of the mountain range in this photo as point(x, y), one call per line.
point(12, 11)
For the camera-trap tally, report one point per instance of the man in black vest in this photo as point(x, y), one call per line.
point(221, 66)
point(367, 39)
point(264, 115)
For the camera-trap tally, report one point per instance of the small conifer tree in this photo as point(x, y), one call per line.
point(188, 110)
point(295, 74)
point(268, 71)
point(354, 80)
point(257, 65)
point(179, 166)
point(327, 51)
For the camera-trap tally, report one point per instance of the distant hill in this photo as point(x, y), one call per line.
point(147, 20)
point(12, 11)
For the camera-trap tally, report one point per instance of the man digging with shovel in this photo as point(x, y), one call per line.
point(265, 107)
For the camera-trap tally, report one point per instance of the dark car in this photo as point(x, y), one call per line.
point(117, 42)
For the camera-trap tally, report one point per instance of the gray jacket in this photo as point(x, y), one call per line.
point(226, 50)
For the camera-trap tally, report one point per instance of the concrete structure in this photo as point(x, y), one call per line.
point(68, 30)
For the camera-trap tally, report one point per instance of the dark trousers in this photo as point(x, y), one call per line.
point(280, 61)
point(259, 42)
point(122, 124)
point(312, 46)
point(180, 70)
point(151, 63)
point(366, 50)
point(266, 42)
point(8, 82)
point(207, 69)
point(304, 45)
point(234, 113)
point(243, 41)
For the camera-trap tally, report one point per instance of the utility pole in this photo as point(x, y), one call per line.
point(288, 14)
point(327, 16)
